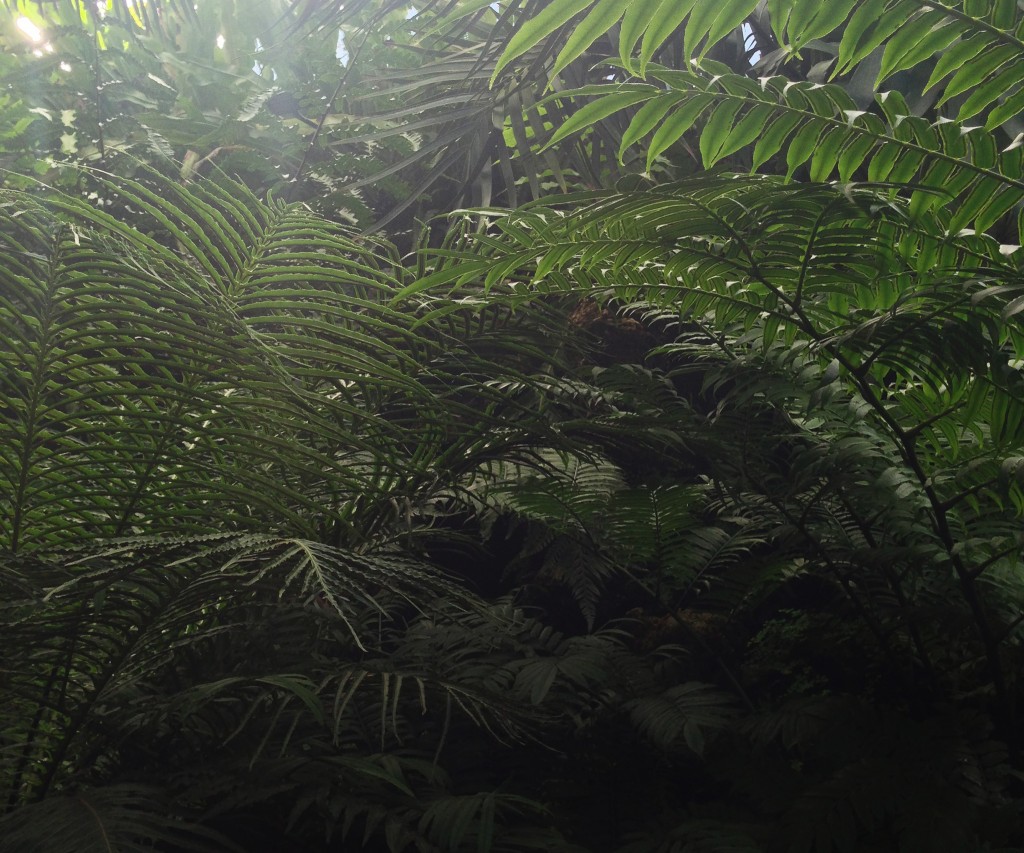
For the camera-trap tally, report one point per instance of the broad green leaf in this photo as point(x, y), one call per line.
point(1004, 14)
point(638, 18)
point(601, 19)
point(894, 106)
point(906, 167)
point(998, 205)
point(809, 21)
point(916, 42)
point(742, 133)
point(826, 155)
point(975, 72)
point(712, 21)
point(984, 152)
point(775, 135)
point(647, 118)
point(802, 146)
point(969, 206)
point(533, 31)
point(1013, 307)
point(730, 17)
point(853, 155)
point(868, 27)
point(936, 176)
point(882, 162)
point(715, 132)
point(677, 124)
point(1011, 106)
point(987, 93)
point(668, 18)
point(779, 13)
point(599, 109)
point(954, 58)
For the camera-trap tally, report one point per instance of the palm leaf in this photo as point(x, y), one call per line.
point(257, 364)
point(820, 129)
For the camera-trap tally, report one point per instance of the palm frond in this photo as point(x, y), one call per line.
point(820, 129)
point(949, 36)
point(243, 355)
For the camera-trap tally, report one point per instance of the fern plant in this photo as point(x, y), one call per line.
point(876, 345)
point(313, 544)
point(215, 401)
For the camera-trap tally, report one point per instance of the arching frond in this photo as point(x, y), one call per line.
point(818, 128)
point(973, 49)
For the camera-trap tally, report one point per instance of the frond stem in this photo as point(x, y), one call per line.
point(978, 23)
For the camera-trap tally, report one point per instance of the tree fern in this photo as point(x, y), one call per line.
point(838, 298)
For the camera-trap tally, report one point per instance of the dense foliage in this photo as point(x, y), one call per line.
point(571, 425)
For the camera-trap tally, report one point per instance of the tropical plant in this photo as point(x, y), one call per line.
point(675, 508)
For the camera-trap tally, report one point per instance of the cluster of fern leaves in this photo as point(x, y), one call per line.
point(673, 514)
point(305, 549)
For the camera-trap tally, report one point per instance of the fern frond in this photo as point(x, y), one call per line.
point(820, 128)
point(971, 49)
point(683, 715)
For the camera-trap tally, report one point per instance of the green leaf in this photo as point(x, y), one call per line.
point(853, 155)
point(1012, 105)
point(673, 128)
point(999, 203)
point(1013, 308)
point(987, 93)
point(802, 146)
point(302, 688)
point(534, 30)
point(955, 57)
point(867, 28)
point(647, 118)
point(924, 36)
point(977, 71)
point(1004, 14)
point(599, 109)
point(709, 22)
point(809, 21)
point(601, 19)
point(729, 19)
point(775, 135)
point(658, 29)
point(826, 155)
point(639, 16)
point(745, 131)
point(715, 133)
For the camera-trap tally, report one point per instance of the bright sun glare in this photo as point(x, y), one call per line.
point(29, 29)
